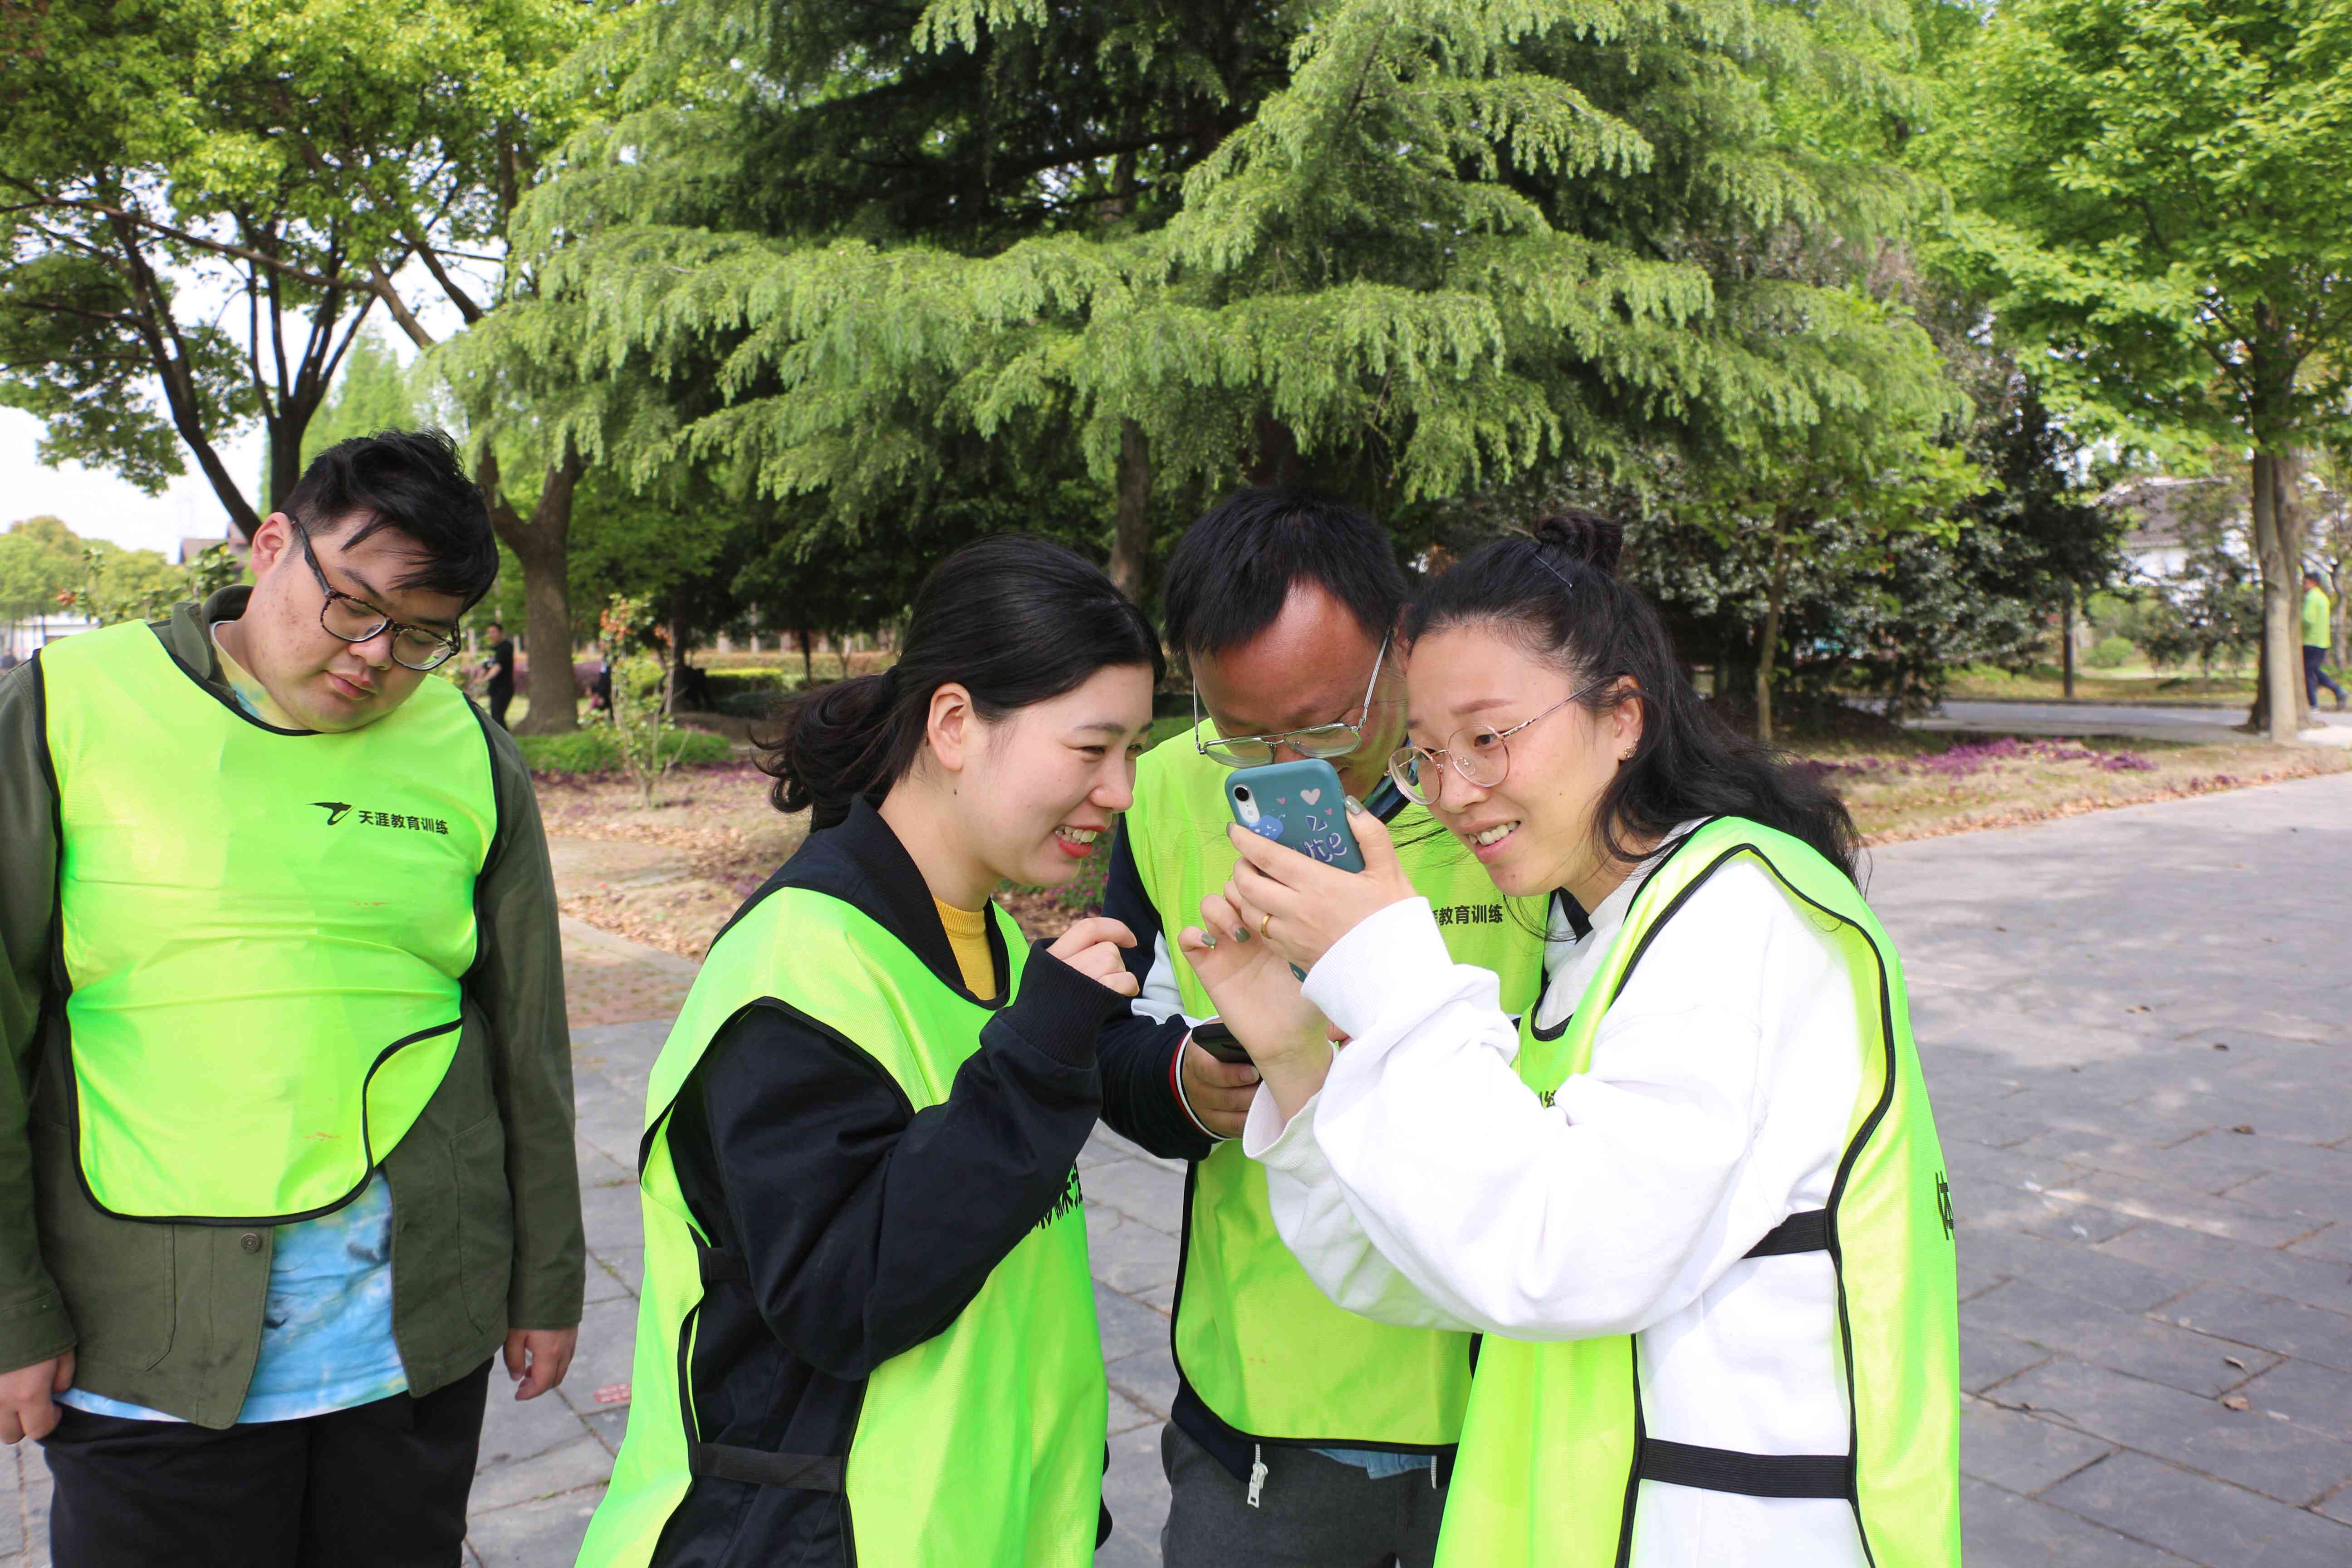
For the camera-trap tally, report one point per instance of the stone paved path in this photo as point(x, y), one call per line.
point(2135, 1026)
point(2145, 721)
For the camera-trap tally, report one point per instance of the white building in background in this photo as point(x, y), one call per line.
point(2159, 543)
point(23, 638)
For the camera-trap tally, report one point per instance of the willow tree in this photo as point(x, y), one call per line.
point(1449, 242)
point(2156, 199)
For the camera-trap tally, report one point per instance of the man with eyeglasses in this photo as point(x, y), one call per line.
point(286, 1153)
point(1299, 1435)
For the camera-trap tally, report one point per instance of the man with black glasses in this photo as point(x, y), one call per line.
point(1301, 1436)
point(286, 1152)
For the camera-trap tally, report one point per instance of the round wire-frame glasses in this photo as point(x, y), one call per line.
point(1323, 741)
point(1480, 754)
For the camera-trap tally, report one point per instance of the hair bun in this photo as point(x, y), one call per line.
point(1585, 538)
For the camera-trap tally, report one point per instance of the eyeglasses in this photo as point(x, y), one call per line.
point(1322, 741)
point(1480, 755)
point(356, 621)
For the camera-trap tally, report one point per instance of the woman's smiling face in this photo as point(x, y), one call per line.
point(1533, 829)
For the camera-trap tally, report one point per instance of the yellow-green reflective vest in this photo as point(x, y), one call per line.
point(1265, 1350)
point(264, 930)
point(981, 1448)
point(1553, 1454)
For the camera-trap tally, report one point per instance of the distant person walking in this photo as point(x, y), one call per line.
point(500, 665)
point(2315, 607)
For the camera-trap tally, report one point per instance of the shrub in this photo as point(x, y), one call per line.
point(594, 750)
point(730, 683)
point(2112, 653)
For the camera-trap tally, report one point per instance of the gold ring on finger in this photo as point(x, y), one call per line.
point(1265, 920)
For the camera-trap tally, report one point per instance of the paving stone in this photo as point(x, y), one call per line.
point(1988, 1359)
point(2018, 1451)
point(1148, 1377)
point(516, 1429)
point(2207, 1521)
point(610, 1425)
point(2273, 1322)
point(2277, 1458)
point(1128, 1326)
point(583, 1462)
point(1126, 1415)
point(1135, 1489)
point(2118, 1341)
point(612, 1214)
point(1141, 1190)
point(1127, 1254)
point(2189, 1210)
point(2306, 1393)
point(542, 1534)
point(615, 1274)
point(2175, 1250)
point(2074, 1266)
point(2002, 1530)
point(608, 1333)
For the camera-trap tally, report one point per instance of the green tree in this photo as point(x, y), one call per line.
point(40, 558)
point(2153, 197)
point(1441, 244)
point(371, 394)
point(213, 210)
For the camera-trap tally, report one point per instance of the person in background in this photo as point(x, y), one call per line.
point(867, 1328)
point(499, 664)
point(1300, 1434)
point(2316, 643)
point(1694, 1199)
point(282, 976)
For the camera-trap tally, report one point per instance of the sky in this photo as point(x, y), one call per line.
point(97, 505)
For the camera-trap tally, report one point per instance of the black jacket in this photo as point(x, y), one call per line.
point(864, 1226)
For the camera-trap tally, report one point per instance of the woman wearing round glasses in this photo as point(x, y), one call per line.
point(1693, 1197)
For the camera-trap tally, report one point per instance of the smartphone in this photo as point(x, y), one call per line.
point(1299, 805)
point(1213, 1038)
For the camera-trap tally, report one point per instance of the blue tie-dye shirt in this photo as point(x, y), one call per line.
point(326, 1328)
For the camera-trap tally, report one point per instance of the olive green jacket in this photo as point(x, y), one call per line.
point(484, 1188)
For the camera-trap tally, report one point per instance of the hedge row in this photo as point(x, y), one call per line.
point(594, 751)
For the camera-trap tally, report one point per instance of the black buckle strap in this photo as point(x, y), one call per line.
point(801, 1472)
point(717, 1266)
point(1805, 1231)
point(1749, 1475)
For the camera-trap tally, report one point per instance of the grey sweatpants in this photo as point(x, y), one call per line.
point(1312, 1512)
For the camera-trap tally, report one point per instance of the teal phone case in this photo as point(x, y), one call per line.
point(1299, 805)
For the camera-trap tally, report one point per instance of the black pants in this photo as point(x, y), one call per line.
point(2314, 678)
point(502, 693)
point(1313, 1512)
point(378, 1486)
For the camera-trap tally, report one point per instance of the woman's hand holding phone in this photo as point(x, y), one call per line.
point(1301, 906)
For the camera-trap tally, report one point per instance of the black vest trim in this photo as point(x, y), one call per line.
point(1749, 1475)
point(759, 1467)
point(1808, 1231)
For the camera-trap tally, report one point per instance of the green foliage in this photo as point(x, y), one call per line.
point(2156, 198)
point(1407, 250)
point(2110, 653)
point(595, 749)
point(40, 560)
point(638, 720)
point(371, 394)
point(48, 569)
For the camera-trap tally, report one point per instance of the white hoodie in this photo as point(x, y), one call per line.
point(1425, 1184)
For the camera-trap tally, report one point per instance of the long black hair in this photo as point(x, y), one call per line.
point(1015, 620)
point(1556, 590)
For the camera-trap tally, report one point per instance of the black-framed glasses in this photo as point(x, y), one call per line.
point(1325, 742)
point(356, 620)
point(1480, 754)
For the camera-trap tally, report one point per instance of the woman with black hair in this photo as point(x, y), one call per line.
point(1695, 1197)
point(867, 1331)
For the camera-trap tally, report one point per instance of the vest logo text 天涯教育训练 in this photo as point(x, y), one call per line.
point(337, 810)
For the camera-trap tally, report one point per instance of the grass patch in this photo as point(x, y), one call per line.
point(594, 751)
point(2133, 682)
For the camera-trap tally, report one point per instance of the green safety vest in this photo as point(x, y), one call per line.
point(1554, 1450)
point(981, 1446)
point(264, 931)
point(1266, 1349)
point(2315, 607)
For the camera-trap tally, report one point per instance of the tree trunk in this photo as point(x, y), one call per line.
point(808, 660)
point(2292, 529)
point(1130, 539)
point(678, 633)
point(2281, 680)
point(543, 546)
point(2066, 641)
point(1768, 640)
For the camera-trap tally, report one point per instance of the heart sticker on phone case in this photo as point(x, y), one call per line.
point(1310, 796)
